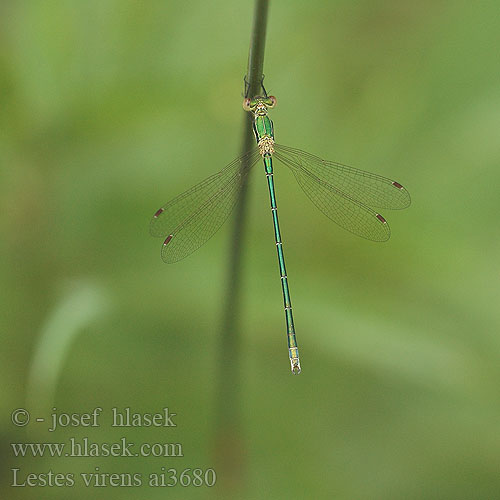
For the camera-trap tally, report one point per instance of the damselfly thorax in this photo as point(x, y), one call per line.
point(266, 145)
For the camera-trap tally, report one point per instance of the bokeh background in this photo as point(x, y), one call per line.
point(108, 109)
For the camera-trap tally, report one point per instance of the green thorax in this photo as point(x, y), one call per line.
point(263, 126)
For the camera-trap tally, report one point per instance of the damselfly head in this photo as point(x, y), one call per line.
point(259, 104)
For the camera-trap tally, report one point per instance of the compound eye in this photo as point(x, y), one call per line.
point(246, 104)
point(273, 101)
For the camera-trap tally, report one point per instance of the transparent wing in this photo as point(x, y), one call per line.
point(192, 218)
point(347, 213)
point(345, 203)
point(370, 189)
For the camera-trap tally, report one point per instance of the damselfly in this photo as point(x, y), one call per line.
point(344, 194)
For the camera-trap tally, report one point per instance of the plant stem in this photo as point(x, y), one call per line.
point(228, 397)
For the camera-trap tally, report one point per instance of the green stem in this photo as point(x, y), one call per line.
point(228, 400)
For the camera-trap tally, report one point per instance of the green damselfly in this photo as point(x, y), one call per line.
point(344, 194)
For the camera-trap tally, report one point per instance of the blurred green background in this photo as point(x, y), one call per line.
point(109, 109)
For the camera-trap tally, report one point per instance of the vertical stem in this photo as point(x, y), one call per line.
point(229, 445)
